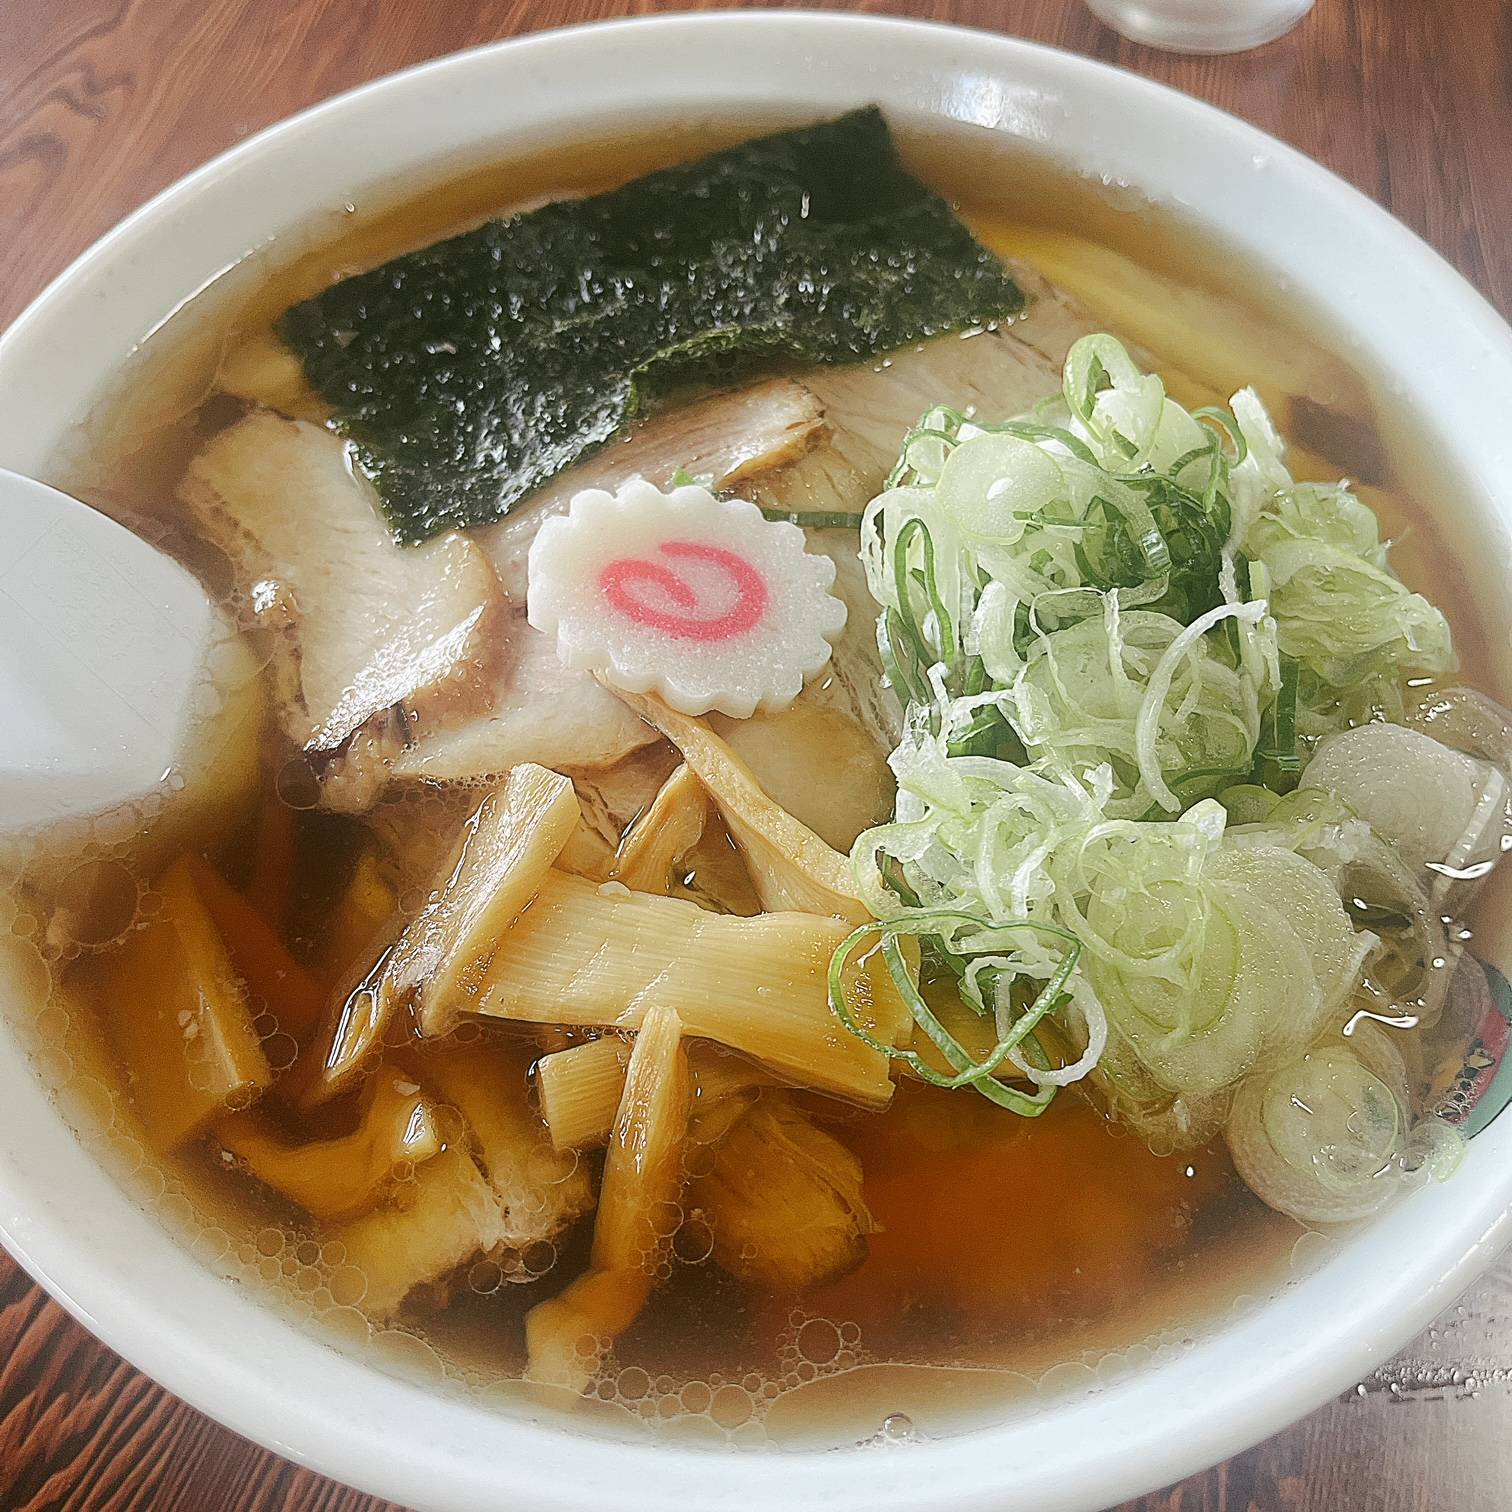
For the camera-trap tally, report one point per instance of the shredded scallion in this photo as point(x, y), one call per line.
point(1099, 617)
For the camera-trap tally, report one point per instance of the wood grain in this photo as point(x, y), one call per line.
point(104, 102)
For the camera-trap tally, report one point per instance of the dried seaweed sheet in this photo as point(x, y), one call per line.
point(470, 372)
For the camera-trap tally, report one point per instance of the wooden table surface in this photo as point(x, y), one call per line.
point(103, 102)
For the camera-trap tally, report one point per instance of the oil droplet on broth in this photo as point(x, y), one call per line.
point(818, 1341)
point(95, 904)
point(297, 784)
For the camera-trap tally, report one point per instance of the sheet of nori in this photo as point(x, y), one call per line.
point(470, 372)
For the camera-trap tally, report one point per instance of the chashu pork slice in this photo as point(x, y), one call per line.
point(538, 710)
point(362, 623)
point(868, 409)
point(532, 709)
point(725, 437)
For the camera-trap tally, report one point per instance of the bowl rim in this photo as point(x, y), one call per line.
point(353, 1439)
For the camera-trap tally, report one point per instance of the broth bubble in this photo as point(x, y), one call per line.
point(282, 1050)
point(269, 1241)
point(731, 1406)
point(348, 1285)
point(666, 1219)
point(297, 784)
point(694, 1241)
point(818, 1341)
point(96, 903)
point(539, 1258)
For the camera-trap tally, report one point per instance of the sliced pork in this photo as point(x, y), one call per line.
point(361, 623)
point(725, 437)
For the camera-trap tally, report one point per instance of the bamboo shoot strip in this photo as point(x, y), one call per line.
point(472, 371)
point(276, 982)
point(757, 985)
point(579, 1088)
point(342, 1177)
point(637, 1213)
point(663, 835)
point(586, 853)
point(790, 866)
point(362, 922)
point(179, 1018)
point(510, 842)
point(437, 962)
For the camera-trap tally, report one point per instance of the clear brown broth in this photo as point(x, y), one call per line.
point(1008, 1248)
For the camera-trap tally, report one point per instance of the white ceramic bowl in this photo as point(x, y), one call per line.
point(1412, 317)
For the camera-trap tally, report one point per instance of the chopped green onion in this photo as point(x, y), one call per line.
point(1098, 617)
point(818, 519)
point(979, 1075)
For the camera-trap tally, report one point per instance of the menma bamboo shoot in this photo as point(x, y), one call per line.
point(179, 1017)
point(638, 1213)
point(659, 839)
point(346, 1176)
point(599, 957)
point(436, 963)
point(579, 1088)
point(790, 866)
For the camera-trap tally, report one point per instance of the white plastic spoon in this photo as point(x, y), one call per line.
point(112, 660)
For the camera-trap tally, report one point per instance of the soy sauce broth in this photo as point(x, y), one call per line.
point(1015, 1258)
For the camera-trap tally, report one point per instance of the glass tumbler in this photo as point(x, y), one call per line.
point(1201, 26)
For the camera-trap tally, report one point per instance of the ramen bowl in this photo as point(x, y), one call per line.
point(1085, 1439)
